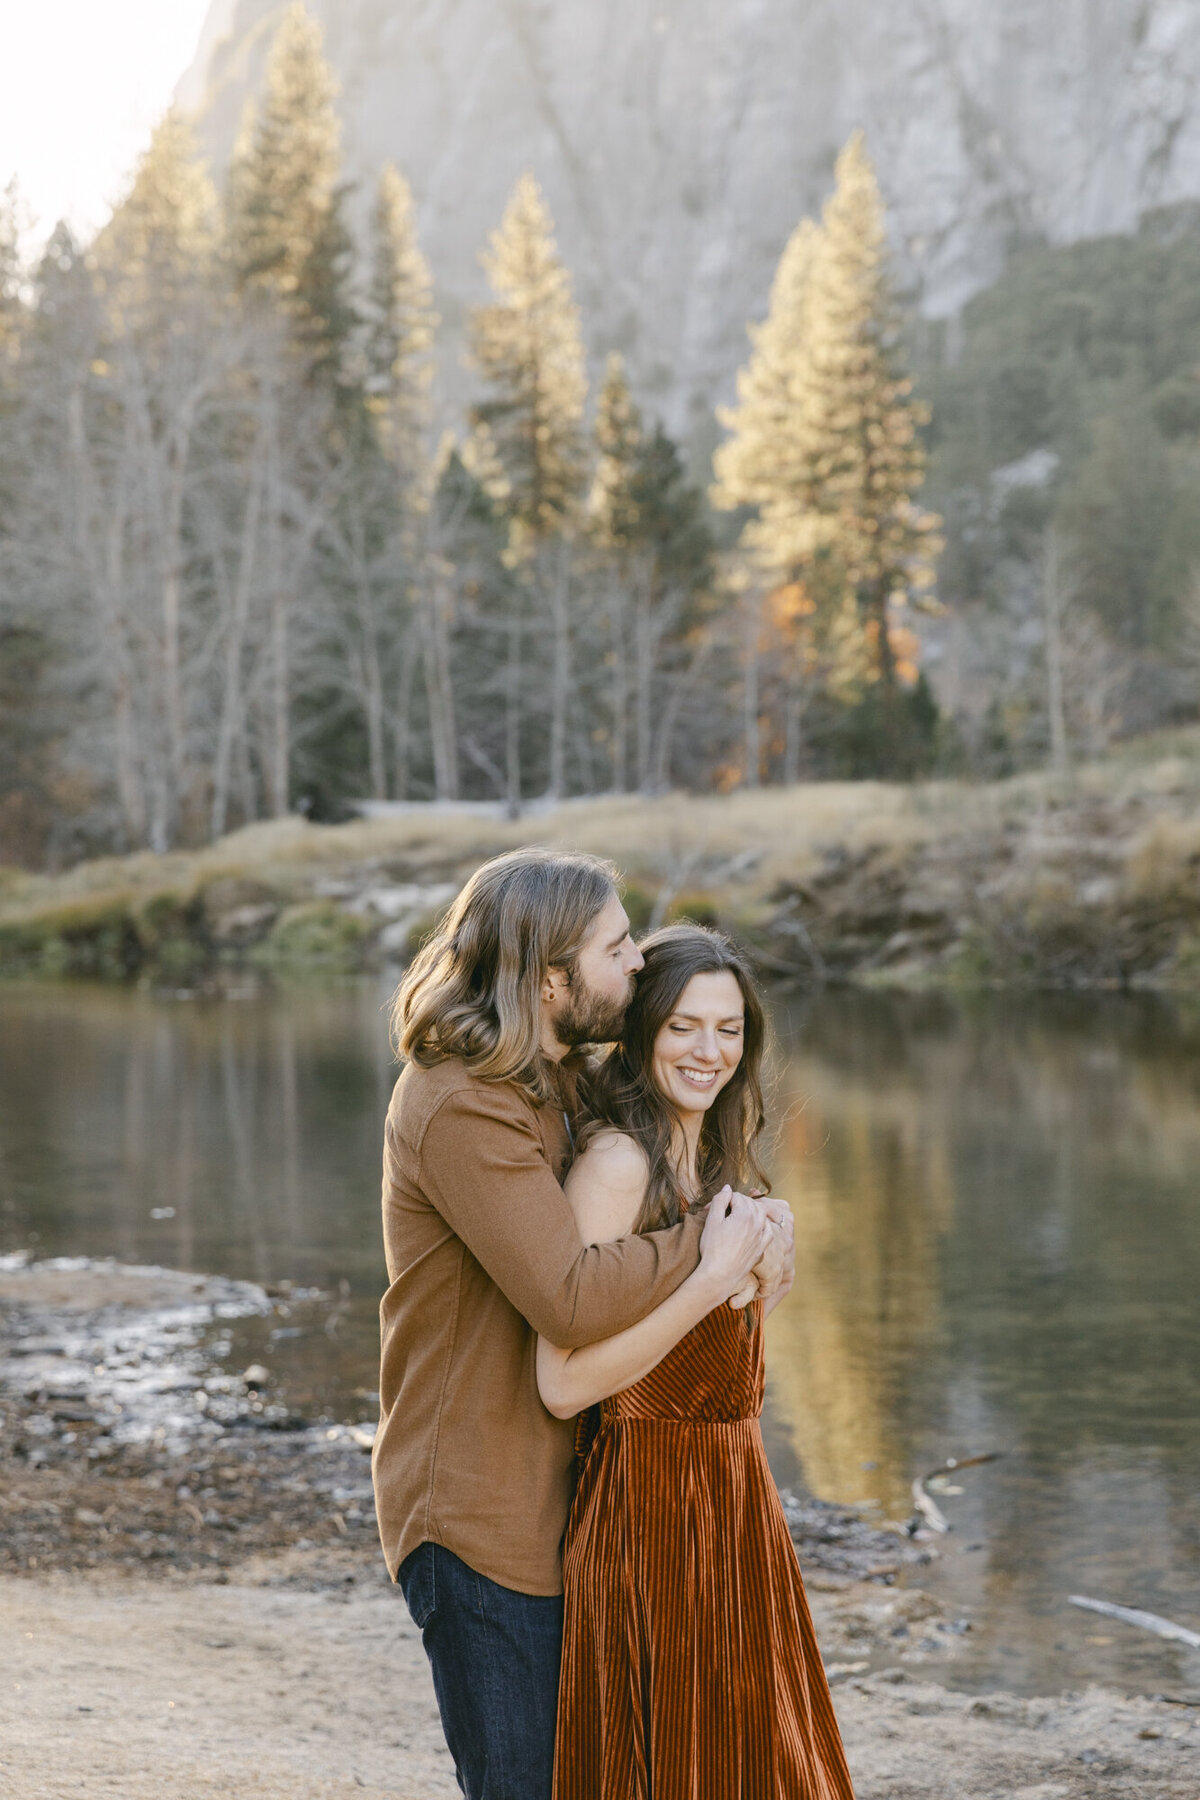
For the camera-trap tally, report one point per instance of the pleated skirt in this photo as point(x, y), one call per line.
point(690, 1666)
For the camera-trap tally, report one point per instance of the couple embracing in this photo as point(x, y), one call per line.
point(569, 1472)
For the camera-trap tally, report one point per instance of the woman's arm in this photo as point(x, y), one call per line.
point(606, 1187)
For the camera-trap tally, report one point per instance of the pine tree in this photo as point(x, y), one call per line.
point(826, 441)
point(764, 463)
point(401, 324)
point(401, 594)
point(864, 447)
point(613, 520)
point(288, 233)
point(11, 275)
point(528, 348)
point(612, 504)
point(671, 587)
point(160, 242)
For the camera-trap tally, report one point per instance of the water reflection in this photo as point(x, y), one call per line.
point(999, 1249)
point(867, 1178)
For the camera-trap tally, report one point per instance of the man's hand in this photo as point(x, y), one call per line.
point(737, 1234)
point(773, 1274)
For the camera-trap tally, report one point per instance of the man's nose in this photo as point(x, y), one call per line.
point(634, 961)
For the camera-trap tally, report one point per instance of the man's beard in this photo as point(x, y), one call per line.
point(591, 1018)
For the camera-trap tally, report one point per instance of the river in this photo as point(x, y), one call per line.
point(998, 1229)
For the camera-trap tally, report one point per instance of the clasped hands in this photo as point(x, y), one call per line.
point(749, 1242)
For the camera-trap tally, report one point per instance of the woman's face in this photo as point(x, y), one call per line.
point(700, 1045)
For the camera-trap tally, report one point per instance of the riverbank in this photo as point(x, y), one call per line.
point(280, 1686)
point(1091, 881)
point(195, 1601)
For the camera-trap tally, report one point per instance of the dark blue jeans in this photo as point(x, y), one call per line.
point(495, 1656)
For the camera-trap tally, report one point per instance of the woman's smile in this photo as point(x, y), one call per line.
point(698, 1049)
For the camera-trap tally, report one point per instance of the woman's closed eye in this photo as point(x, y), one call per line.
point(726, 1031)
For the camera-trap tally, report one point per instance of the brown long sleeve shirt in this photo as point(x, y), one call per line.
point(483, 1254)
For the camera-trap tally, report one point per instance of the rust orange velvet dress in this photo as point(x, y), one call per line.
point(690, 1668)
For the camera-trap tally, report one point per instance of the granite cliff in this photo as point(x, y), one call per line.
point(678, 141)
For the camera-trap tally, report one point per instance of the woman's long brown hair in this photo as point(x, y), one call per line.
point(623, 1094)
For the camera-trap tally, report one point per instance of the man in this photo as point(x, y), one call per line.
point(472, 1474)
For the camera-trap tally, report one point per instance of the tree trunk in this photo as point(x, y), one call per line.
point(671, 711)
point(100, 549)
point(280, 719)
point(643, 638)
point(877, 609)
point(750, 722)
point(619, 701)
point(278, 746)
point(232, 717)
point(794, 713)
point(1052, 599)
point(560, 689)
point(173, 566)
point(373, 701)
point(402, 729)
point(439, 686)
point(512, 717)
point(130, 795)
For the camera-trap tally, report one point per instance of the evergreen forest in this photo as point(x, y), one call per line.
point(246, 571)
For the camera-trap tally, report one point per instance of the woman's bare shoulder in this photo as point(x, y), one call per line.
point(607, 1184)
point(614, 1152)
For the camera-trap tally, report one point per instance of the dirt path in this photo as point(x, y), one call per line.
point(132, 1689)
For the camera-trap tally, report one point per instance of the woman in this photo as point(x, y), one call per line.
point(690, 1669)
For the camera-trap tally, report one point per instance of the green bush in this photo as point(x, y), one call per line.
point(97, 940)
point(315, 933)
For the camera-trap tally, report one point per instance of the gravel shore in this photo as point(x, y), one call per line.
point(194, 1600)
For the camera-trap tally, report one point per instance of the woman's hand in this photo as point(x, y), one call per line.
point(737, 1235)
point(773, 1275)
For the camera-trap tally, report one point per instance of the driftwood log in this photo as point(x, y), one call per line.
point(1146, 1621)
point(928, 1508)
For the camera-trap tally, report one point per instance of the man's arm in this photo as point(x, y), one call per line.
point(483, 1168)
point(605, 1191)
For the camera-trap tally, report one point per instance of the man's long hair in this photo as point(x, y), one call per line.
point(623, 1093)
point(474, 988)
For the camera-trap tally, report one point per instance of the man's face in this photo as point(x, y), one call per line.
point(592, 1009)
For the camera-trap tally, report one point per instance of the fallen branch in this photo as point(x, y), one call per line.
point(1133, 1615)
point(928, 1508)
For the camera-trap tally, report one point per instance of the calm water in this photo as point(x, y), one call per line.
point(998, 1212)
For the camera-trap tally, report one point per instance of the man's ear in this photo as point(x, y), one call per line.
point(554, 982)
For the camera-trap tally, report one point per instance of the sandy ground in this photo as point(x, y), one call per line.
point(132, 1689)
point(193, 1603)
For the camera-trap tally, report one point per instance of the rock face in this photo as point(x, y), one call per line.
point(678, 141)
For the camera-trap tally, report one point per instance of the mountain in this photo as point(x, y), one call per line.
point(678, 141)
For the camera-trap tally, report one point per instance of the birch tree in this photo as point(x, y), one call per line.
point(154, 271)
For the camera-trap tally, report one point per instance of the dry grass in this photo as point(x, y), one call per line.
point(734, 849)
point(768, 835)
point(1163, 864)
